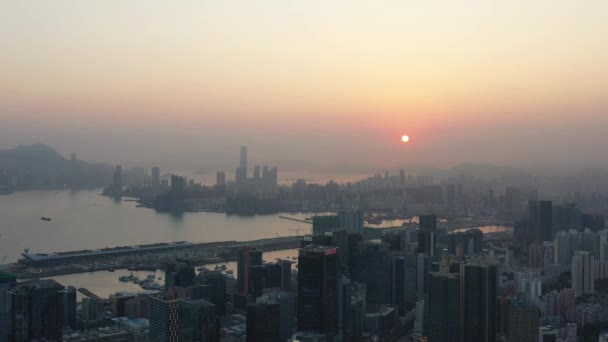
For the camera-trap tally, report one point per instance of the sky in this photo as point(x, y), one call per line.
point(184, 83)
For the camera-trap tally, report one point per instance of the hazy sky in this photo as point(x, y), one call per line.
point(187, 82)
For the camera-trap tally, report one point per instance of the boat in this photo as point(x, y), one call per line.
point(45, 218)
point(111, 270)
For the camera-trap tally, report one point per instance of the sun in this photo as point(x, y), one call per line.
point(405, 138)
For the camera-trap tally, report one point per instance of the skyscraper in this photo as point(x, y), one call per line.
point(522, 325)
point(220, 179)
point(163, 318)
point(36, 311)
point(374, 270)
point(243, 162)
point(478, 314)
point(197, 321)
point(247, 258)
point(155, 177)
point(426, 235)
point(540, 218)
point(318, 290)
point(263, 322)
point(256, 172)
point(582, 273)
point(444, 308)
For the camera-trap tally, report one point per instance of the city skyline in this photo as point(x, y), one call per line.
point(336, 82)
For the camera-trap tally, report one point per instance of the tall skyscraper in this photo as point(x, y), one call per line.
point(478, 314)
point(197, 321)
point(117, 183)
point(155, 177)
point(220, 179)
point(522, 324)
point(69, 307)
point(263, 322)
point(36, 311)
point(410, 280)
point(247, 258)
point(444, 308)
point(163, 318)
point(243, 162)
point(256, 172)
point(318, 290)
point(426, 234)
point(583, 275)
point(540, 218)
point(374, 270)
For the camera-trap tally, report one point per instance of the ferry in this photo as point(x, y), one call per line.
point(45, 218)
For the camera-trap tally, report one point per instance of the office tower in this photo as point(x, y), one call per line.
point(451, 195)
point(197, 321)
point(36, 311)
point(256, 172)
point(351, 221)
point(220, 179)
point(325, 224)
point(318, 290)
point(216, 294)
point(582, 273)
point(117, 181)
point(587, 240)
point(419, 323)
point(373, 268)
point(353, 241)
point(7, 280)
point(423, 267)
point(247, 258)
point(426, 234)
point(478, 315)
point(410, 280)
point(522, 322)
point(69, 307)
point(243, 162)
point(262, 319)
point(444, 308)
point(285, 301)
point(155, 177)
point(397, 283)
point(180, 274)
point(163, 318)
point(277, 275)
point(540, 218)
point(563, 253)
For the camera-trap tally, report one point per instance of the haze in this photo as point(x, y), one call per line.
point(183, 84)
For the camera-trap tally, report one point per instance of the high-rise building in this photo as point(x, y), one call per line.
point(373, 267)
point(179, 274)
point(410, 280)
point(582, 273)
point(197, 321)
point(351, 221)
point(426, 234)
point(155, 177)
point(522, 323)
point(262, 319)
point(285, 301)
point(163, 320)
point(220, 179)
point(270, 275)
point(478, 314)
point(256, 172)
point(248, 257)
point(36, 311)
point(443, 316)
point(402, 177)
point(7, 280)
point(69, 307)
point(117, 181)
point(216, 283)
point(318, 290)
point(243, 162)
point(451, 195)
point(540, 218)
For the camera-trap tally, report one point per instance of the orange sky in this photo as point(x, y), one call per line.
point(341, 75)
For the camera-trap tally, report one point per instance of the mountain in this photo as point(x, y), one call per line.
point(39, 166)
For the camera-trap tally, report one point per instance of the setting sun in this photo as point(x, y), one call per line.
point(405, 138)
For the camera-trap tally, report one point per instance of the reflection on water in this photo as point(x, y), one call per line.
point(105, 283)
point(486, 229)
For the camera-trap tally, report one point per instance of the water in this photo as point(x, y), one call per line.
point(105, 283)
point(83, 219)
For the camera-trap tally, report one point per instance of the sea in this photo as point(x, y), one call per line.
point(86, 220)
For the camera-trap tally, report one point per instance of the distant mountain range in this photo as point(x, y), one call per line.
point(39, 166)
